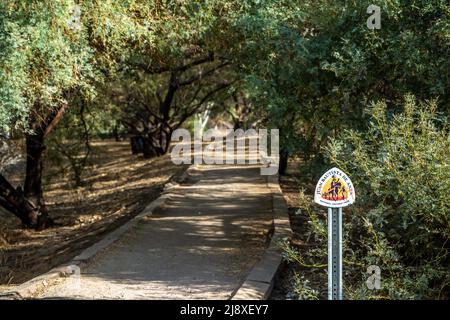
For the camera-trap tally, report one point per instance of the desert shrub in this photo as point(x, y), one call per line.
point(400, 221)
point(401, 167)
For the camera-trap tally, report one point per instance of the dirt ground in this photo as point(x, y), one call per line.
point(116, 187)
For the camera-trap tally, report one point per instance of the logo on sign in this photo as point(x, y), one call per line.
point(334, 189)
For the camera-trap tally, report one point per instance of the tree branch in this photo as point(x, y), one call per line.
point(182, 68)
point(202, 75)
point(202, 101)
point(55, 117)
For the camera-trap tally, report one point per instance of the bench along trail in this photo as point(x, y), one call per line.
point(200, 244)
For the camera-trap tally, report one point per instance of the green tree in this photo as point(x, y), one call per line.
point(45, 61)
point(53, 53)
point(316, 65)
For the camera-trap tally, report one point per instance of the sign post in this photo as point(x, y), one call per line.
point(334, 191)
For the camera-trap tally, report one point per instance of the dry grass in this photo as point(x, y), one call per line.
point(117, 187)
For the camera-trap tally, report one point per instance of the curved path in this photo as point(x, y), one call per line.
point(200, 244)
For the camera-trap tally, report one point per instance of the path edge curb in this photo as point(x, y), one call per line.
point(29, 288)
point(259, 282)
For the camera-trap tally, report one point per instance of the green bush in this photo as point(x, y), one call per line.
point(400, 220)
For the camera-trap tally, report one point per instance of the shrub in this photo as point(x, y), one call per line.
point(400, 220)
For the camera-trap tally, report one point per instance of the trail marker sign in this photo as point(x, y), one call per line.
point(334, 190)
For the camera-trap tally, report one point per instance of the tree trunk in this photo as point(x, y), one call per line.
point(33, 180)
point(165, 141)
point(15, 202)
point(29, 205)
point(149, 150)
point(237, 124)
point(137, 144)
point(157, 144)
point(116, 133)
point(284, 157)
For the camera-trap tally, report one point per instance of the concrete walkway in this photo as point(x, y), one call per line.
point(200, 244)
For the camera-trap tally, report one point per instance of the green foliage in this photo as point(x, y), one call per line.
point(303, 288)
point(46, 58)
point(401, 218)
point(41, 59)
point(310, 68)
point(316, 65)
point(400, 165)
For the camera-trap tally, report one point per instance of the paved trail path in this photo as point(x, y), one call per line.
point(200, 244)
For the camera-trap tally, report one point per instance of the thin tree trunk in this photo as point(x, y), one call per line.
point(284, 157)
point(116, 133)
point(166, 146)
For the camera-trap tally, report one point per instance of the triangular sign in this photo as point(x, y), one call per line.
point(334, 189)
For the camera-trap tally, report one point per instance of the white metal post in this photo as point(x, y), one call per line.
point(340, 253)
point(330, 257)
point(335, 190)
point(335, 254)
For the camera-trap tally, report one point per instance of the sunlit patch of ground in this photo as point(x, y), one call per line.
point(116, 187)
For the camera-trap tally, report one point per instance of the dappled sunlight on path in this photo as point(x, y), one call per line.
point(200, 244)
